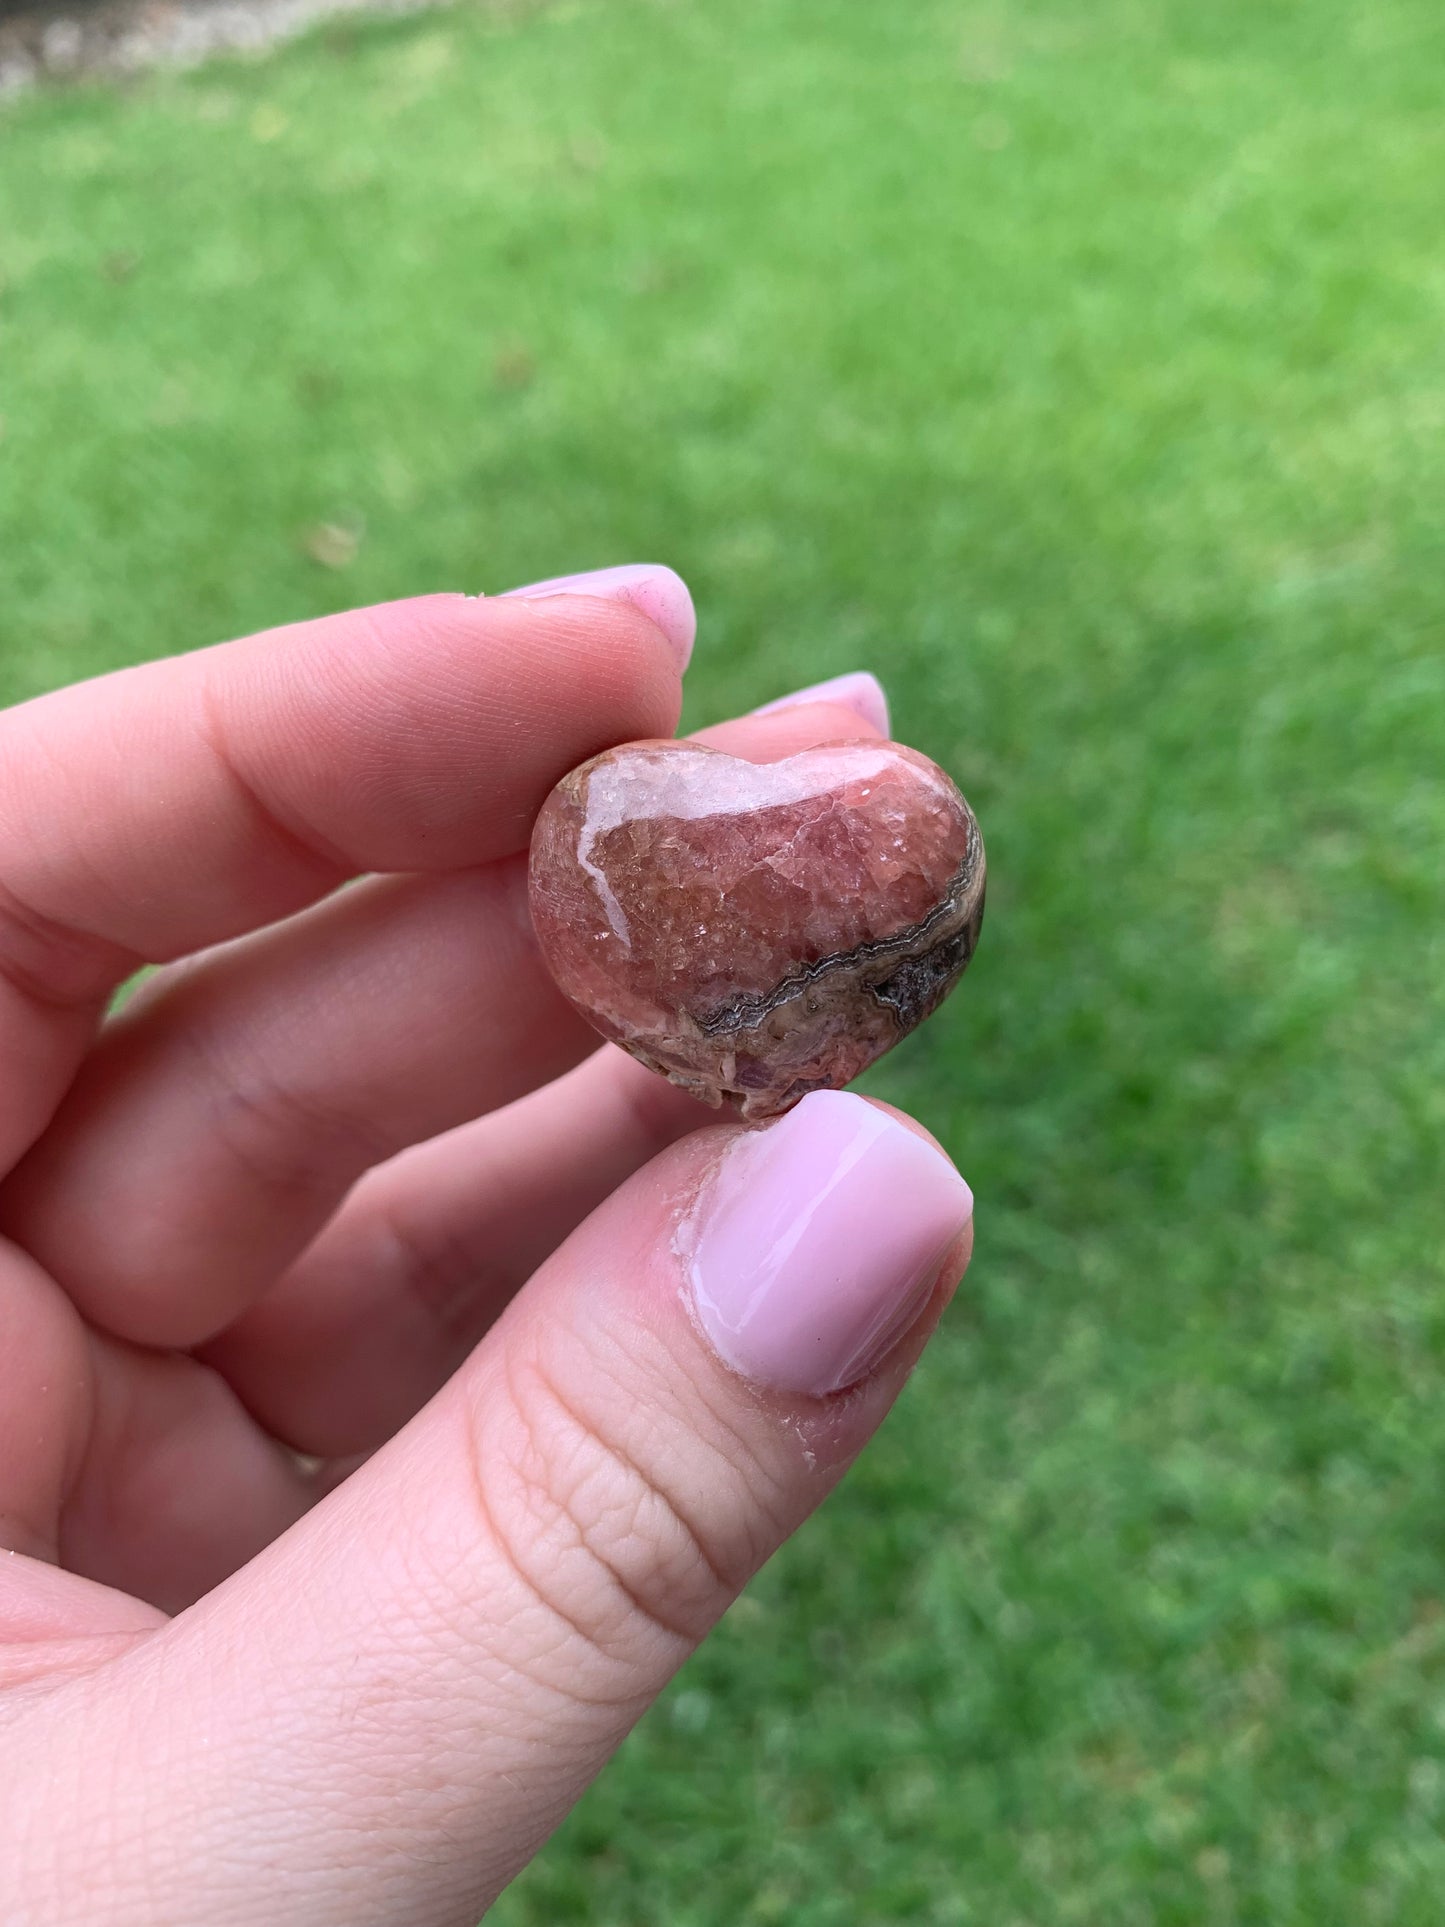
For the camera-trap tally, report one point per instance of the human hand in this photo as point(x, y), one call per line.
point(366, 1470)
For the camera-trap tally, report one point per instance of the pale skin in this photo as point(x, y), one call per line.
point(363, 1477)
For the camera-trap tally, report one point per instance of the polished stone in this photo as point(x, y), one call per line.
point(756, 931)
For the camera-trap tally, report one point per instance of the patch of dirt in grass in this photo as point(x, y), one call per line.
point(40, 42)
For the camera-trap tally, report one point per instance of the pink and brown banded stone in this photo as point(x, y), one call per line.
point(756, 931)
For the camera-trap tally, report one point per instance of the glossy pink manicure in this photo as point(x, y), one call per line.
point(659, 592)
point(858, 691)
point(817, 1241)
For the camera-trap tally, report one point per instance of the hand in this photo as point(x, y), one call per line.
point(410, 1421)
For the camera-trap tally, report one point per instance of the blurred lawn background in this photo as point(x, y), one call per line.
point(1079, 365)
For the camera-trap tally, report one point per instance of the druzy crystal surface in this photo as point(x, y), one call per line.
point(756, 931)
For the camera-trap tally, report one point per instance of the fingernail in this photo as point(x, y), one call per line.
point(858, 691)
point(659, 592)
point(816, 1243)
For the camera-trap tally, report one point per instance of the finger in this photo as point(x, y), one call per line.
point(453, 1642)
point(386, 1304)
point(43, 1608)
point(431, 1248)
point(176, 805)
point(46, 1393)
point(770, 734)
point(859, 691)
point(177, 1486)
point(137, 1470)
point(220, 1120)
point(54, 1627)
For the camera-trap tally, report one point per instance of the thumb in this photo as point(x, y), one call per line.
point(392, 1708)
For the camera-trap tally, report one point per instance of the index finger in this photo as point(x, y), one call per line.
point(165, 808)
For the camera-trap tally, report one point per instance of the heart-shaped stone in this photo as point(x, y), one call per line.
point(756, 931)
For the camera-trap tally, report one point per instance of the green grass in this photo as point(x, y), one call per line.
point(1080, 365)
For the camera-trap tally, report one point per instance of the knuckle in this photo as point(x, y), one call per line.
point(285, 1137)
point(52, 965)
point(598, 1536)
point(437, 1266)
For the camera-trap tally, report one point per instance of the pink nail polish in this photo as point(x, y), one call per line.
point(659, 592)
point(858, 691)
point(815, 1244)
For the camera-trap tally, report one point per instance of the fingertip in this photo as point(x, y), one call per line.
point(818, 1241)
point(656, 591)
point(859, 691)
point(768, 735)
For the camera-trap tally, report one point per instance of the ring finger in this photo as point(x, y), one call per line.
point(224, 1116)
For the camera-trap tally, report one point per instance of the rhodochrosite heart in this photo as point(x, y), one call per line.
point(756, 931)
